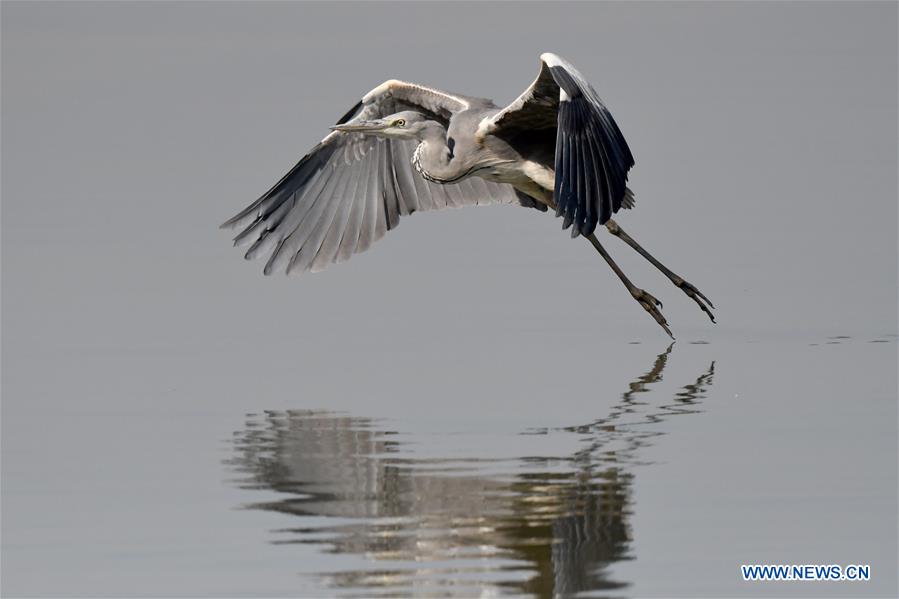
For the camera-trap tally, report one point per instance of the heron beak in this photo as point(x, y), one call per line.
point(377, 125)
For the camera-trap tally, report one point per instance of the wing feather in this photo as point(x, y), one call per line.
point(592, 158)
point(407, 198)
point(382, 190)
point(335, 232)
point(391, 193)
point(370, 220)
point(583, 189)
point(349, 190)
point(357, 210)
point(312, 243)
point(295, 239)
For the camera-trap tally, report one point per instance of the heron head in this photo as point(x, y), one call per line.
point(402, 125)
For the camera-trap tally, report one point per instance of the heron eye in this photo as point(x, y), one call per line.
point(399, 123)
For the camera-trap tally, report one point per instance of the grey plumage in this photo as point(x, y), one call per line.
point(406, 148)
point(346, 194)
point(352, 188)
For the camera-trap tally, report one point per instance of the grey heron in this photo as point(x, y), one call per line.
point(405, 147)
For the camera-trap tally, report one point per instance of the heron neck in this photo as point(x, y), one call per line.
point(433, 158)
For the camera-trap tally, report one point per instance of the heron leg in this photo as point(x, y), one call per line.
point(692, 292)
point(649, 303)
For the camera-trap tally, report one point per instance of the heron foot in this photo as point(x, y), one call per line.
point(696, 295)
point(651, 305)
point(692, 292)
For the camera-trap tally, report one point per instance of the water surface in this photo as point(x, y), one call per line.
point(475, 406)
point(535, 524)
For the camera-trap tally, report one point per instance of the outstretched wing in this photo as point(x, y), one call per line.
point(592, 158)
point(350, 189)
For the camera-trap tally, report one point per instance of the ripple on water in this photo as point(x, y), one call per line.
point(544, 526)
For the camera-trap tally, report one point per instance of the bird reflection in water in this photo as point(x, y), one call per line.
point(448, 528)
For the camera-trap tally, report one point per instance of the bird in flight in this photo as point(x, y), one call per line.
point(406, 148)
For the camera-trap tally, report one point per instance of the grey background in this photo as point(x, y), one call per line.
point(135, 338)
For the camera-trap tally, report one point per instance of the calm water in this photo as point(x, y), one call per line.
point(563, 510)
point(475, 406)
point(543, 524)
point(680, 464)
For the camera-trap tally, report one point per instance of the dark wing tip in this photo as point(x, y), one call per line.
point(592, 156)
point(565, 81)
point(350, 113)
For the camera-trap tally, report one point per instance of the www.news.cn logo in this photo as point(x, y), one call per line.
point(810, 572)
